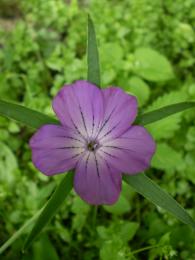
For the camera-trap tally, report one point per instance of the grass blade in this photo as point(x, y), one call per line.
point(51, 208)
point(25, 115)
point(93, 74)
point(151, 191)
point(163, 112)
point(19, 232)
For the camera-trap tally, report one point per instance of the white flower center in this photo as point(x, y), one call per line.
point(92, 146)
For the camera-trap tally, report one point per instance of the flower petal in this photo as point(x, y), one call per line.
point(95, 181)
point(132, 152)
point(120, 112)
point(55, 149)
point(80, 106)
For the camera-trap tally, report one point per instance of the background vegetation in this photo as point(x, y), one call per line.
point(148, 49)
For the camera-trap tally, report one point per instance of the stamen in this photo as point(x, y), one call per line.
point(92, 146)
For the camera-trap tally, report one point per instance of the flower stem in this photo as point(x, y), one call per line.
point(95, 211)
point(145, 248)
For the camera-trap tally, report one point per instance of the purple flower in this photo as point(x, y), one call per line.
point(96, 138)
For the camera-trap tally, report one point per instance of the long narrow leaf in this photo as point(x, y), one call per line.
point(163, 112)
point(51, 208)
point(93, 75)
point(25, 115)
point(36, 119)
point(151, 191)
point(19, 232)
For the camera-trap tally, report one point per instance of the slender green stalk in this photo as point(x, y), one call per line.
point(145, 249)
point(19, 232)
point(95, 211)
point(51, 207)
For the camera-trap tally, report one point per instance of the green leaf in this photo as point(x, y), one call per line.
point(151, 65)
point(165, 158)
point(139, 88)
point(167, 127)
point(112, 249)
point(124, 203)
point(39, 251)
point(25, 115)
point(109, 52)
point(8, 164)
point(151, 191)
point(121, 207)
point(93, 75)
point(163, 112)
point(80, 209)
point(51, 207)
point(19, 232)
point(189, 161)
point(114, 239)
point(128, 230)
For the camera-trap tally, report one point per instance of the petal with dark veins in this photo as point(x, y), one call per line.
point(130, 153)
point(95, 181)
point(55, 149)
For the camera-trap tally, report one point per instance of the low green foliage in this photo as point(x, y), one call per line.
point(42, 47)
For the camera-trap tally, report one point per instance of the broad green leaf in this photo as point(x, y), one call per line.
point(51, 207)
point(93, 74)
point(80, 209)
point(39, 251)
point(152, 65)
point(124, 203)
point(112, 249)
point(136, 86)
point(158, 114)
point(111, 51)
point(121, 207)
point(165, 158)
point(129, 230)
point(190, 138)
point(189, 172)
point(167, 127)
point(151, 191)
point(8, 164)
point(122, 229)
point(25, 115)
point(115, 238)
